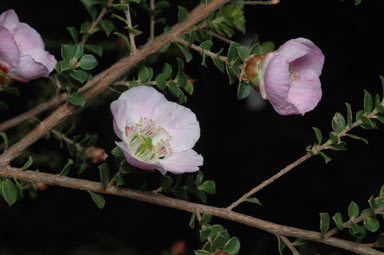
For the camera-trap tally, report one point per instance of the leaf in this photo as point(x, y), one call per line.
point(243, 90)
point(98, 199)
point(79, 75)
point(358, 138)
point(372, 224)
point(88, 62)
point(204, 233)
point(353, 210)
point(11, 90)
point(253, 200)
point(357, 2)
point(173, 89)
point(77, 99)
point(205, 219)
point(357, 230)
point(368, 102)
point(243, 52)
point(66, 52)
point(338, 122)
point(104, 175)
point(165, 182)
point(380, 240)
point(192, 220)
point(280, 245)
point(73, 32)
point(107, 26)
point(182, 14)
point(324, 223)
point(382, 85)
point(202, 252)
point(187, 54)
point(124, 39)
point(9, 192)
point(66, 168)
point(117, 152)
point(144, 74)
point(28, 163)
point(5, 139)
point(219, 241)
point(319, 136)
point(167, 71)
point(338, 219)
point(232, 246)
point(97, 49)
point(349, 114)
point(232, 50)
point(208, 187)
point(77, 50)
point(267, 47)
point(381, 196)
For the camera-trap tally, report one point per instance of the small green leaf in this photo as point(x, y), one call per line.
point(205, 219)
point(165, 182)
point(382, 85)
point(280, 245)
point(144, 74)
point(73, 32)
point(192, 220)
point(160, 82)
point(97, 49)
point(243, 52)
point(357, 230)
point(381, 196)
point(358, 138)
point(124, 39)
point(349, 114)
point(338, 219)
point(180, 193)
point(319, 136)
point(267, 47)
point(117, 152)
point(204, 233)
point(208, 187)
point(357, 2)
point(353, 210)
point(202, 252)
point(98, 199)
point(182, 14)
point(253, 200)
point(368, 102)
point(338, 123)
point(104, 175)
point(107, 26)
point(119, 180)
point(324, 223)
point(232, 246)
point(28, 163)
point(66, 168)
point(173, 89)
point(380, 240)
point(220, 240)
point(371, 224)
point(9, 191)
point(79, 75)
point(88, 62)
point(77, 99)
point(187, 54)
point(11, 90)
point(167, 71)
point(66, 51)
point(243, 90)
point(299, 242)
point(5, 139)
point(77, 51)
point(232, 53)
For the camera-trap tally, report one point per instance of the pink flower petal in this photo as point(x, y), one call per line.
point(28, 69)
point(27, 39)
point(9, 20)
point(133, 104)
point(305, 93)
point(9, 52)
point(180, 122)
point(182, 162)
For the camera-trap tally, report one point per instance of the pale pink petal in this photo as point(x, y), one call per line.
point(133, 104)
point(305, 93)
point(27, 39)
point(9, 20)
point(293, 49)
point(182, 162)
point(180, 122)
point(28, 69)
point(9, 52)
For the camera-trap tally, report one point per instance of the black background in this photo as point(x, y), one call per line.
point(241, 148)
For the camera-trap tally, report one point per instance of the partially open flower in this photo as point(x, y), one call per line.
point(22, 54)
point(156, 133)
point(289, 76)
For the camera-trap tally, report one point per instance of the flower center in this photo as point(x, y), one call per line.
point(148, 142)
point(293, 75)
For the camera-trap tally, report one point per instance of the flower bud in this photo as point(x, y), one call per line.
point(96, 154)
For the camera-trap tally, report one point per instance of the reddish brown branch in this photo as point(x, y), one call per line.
point(280, 230)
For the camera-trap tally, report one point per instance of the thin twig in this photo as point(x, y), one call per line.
point(276, 229)
point(152, 21)
point(33, 112)
point(131, 35)
point(203, 227)
point(289, 245)
point(295, 164)
point(96, 22)
point(271, 2)
point(224, 39)
point(201, 50)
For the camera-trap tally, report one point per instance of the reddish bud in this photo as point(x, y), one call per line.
point(178, 248)
point(96, 154)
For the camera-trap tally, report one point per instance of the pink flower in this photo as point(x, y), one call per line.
point(156, 133)
point(289, 76)
point(22, 54)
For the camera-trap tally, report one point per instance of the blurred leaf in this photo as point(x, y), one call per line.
point(205, 219)
point(173, 89)
point(208, 187)
point(104, 175)
point(280, 245)
point(98, 199)
point(165, 182)
point(167, 71)
point(357, 2)
point(3, 106)
point(28, 163)
point(9, 191)
point(144, 74)
point(243, 52)
point(11, 90)
point(160, 82)
point(77, 50)
point(232, 246)
point(204, 233)
point(117, 152)
point(353, 210)
point(73, 32)
point(107, 26)
point(77, 99)
point(380, 240)
point(79, 75)
point(124, 39)
point(66, 52)
point(5, 139)
point(182, 14)
point(66, 168)
point(187, 54)
point(299, 242)
point(192, 220)
point(267, 47)
point(338, 123)
point(97, 49)
point(202, 252)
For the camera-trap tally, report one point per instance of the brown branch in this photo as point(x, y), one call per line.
point(355, 220)
point(105, 78)
point(129, 24)
point(271, 2)
point(33, 112)
point(224, 39)
point(289, 245)
point(295, 164)
point(96, 22)
point(277, 229)
point(152, 21)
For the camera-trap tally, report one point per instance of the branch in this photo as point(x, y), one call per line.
point(149, 197)
point(152, 21)
point(105, 78)
point(131, 35)
point(289, 245)
point(271, 2)
point(296, 163)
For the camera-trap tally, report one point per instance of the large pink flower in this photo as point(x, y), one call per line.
point(22, 54)
point(156, 133)
point(289, 76)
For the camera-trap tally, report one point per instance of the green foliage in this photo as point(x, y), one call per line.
point(5, 139)
point(77, 99)
point(253, 200)
point(104, 174)
point(243, 90)
point(28, 163)
point(9, 191)
point(324, 223)
point(66, 168)
point(98, 199)
point(280, 245)
point(182, 14)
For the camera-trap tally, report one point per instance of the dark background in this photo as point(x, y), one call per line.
point(241, 148)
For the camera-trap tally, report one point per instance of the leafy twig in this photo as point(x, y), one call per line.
point(131, 35)
point(271, 2)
